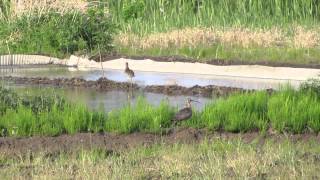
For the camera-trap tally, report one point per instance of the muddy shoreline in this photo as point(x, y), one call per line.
point(219, 62)
point(110, 142)
point(104, 84)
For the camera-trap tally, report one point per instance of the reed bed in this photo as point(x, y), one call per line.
point(288, 110)
point(242, 37)
point(143, 16)
point(279, 31)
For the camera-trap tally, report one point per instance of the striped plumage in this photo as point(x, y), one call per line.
point(185, 113)
point(128, 71)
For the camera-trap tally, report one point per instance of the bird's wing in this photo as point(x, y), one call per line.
point(183, 114)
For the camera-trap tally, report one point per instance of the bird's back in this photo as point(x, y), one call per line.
point(183, 114)
point(129, 72)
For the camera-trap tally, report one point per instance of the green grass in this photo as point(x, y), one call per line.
point(251, 55)
point(143, 16)
point(294, 112)
point(87, 33)
point(239, 112)
point(140, 117)
point(57, 35)
point(287, 110)
point(218, 159)
point(83, 33)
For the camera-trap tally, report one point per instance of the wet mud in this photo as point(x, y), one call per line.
point(11, 146)
point(104, 84)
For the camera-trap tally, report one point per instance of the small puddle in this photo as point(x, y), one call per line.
point(150, 78)
point(111, 100)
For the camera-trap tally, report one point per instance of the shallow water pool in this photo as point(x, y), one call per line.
point(151, 78)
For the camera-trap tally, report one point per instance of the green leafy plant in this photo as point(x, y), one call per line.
point(58, 34)
point(133, 9)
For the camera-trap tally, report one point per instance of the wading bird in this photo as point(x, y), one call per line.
point(129, 72)
point(184, 113)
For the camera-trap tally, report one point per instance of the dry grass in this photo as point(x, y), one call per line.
point(244, 37)
point(304, 38)
point(208, 160)
point(24, 6)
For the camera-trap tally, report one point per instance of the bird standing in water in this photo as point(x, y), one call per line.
point(130, 74)
point(184, 113)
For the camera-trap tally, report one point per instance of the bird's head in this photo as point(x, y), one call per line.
point(127, 64)
point(189, 101)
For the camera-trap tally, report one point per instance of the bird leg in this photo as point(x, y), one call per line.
point(131, 88)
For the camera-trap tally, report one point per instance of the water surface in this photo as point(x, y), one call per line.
point(150, 78)
point(110, 100)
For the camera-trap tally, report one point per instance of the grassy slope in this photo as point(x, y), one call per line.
point(219, 160)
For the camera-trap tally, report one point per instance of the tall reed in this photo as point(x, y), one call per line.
point(143, 16)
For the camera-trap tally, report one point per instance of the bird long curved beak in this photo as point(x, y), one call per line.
point(195, 101)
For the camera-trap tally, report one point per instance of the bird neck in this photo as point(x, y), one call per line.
point(188, 105)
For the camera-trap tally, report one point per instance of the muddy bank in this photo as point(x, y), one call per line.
point(11, 146)
point(219, 62)
point(104, 84)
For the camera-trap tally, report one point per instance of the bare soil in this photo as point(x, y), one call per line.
point(11, 146)
point(104, 84)
point(221, 62)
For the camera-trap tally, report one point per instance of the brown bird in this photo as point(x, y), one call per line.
point(185, 113)
point(129, 72)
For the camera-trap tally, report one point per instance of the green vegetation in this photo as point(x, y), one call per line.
point(288, 110)
point(240, 112)
point(4, 9)
point(57, 34)
point(140, 117)
point(218, 159)
point(203, 53)
point(275, 30)
point(279, 31)
point(143, 16)
point(45, 115)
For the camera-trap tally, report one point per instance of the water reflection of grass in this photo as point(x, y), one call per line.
point(44, 113)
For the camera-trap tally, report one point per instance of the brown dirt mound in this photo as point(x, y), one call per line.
point(219, 62)
point(11, 146)
point(104, 84)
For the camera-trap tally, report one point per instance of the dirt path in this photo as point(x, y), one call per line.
point(10, 146)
